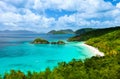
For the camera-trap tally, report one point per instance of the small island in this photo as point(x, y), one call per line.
point(58, 42)
point(40, 41)
point(43, 41)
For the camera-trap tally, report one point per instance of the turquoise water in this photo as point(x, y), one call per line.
point(30, 57)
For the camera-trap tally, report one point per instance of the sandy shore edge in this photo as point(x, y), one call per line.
point(93, 49)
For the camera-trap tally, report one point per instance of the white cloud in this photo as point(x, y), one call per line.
point(29, 20)
point(4, 7)
point(70, 5)
point(118, 5)
point(10, 24)
point(10, 17)
point(38, 4)
point(89, 13)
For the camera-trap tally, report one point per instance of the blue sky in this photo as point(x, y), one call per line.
point(45, 15)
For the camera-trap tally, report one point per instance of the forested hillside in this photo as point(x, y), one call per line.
point(108, 43)
point(84, 30)
point(94, 33)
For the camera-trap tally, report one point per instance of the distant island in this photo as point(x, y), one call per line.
point(17, 32)
point(43, 41)
point(66, 31)
point(70, 31)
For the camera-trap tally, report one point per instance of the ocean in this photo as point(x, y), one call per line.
point(16, 52)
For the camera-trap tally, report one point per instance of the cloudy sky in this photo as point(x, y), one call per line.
point(45, 15)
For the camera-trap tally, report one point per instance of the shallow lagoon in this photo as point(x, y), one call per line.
point(17, 53)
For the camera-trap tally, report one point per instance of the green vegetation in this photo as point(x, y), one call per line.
point(58, 42)
point(66, 31)
point(94, 33)
point(84, 30)
point(107, 67)
point(108, 43)
point(40, 41)
point(43, 41)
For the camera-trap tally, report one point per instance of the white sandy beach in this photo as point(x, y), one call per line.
point(93, 49)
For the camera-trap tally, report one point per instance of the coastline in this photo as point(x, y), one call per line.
point(93, 49)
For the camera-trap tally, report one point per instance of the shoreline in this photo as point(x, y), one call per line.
point(93, 50)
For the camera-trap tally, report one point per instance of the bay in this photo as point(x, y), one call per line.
point(16, 52)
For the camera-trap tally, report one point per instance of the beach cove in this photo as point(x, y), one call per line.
point(92, 49)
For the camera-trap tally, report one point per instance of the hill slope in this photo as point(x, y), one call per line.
point(94, 33)
point(84, 30)
point(108, 43)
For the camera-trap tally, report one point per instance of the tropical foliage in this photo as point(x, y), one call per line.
point(94, 33)
point(108, 43)
point(84, 30)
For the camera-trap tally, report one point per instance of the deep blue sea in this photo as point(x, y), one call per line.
point(16, 52)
